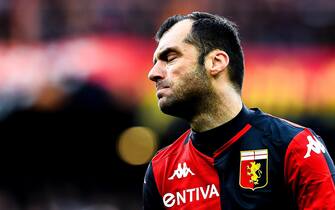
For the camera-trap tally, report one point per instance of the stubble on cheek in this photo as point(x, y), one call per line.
point(188, 95)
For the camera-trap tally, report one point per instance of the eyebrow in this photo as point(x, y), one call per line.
point(165, 52)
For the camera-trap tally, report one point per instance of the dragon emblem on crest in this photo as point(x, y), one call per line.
point(255, 172)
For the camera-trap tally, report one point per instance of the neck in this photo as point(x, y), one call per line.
point(220, 110)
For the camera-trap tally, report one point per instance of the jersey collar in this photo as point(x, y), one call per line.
point(209, 141)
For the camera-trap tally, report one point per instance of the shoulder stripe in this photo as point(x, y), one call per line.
point(289, 122)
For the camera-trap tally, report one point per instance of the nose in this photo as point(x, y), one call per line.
point(156, 73)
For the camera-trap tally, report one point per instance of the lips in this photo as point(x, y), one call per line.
point(160, 91)
point(161, 87)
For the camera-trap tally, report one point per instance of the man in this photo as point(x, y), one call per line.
point(232, 157)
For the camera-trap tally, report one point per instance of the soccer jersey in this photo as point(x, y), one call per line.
point(255, 161)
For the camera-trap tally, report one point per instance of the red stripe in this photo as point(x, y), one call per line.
point(232, 140)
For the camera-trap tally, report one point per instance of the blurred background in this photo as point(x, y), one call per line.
point(78, 118)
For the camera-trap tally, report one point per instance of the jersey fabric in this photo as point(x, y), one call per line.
point(255, 161)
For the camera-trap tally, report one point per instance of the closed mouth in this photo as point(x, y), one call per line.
point(159, 91)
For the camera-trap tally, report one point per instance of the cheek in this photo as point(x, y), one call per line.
point(178, 70)
point(179, 66)
point(173, 69)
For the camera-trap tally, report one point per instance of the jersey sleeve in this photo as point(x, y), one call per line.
point(151, 197)
point(310, 172)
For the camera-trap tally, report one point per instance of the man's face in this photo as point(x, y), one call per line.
point(180, 82)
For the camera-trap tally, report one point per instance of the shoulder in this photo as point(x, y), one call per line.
point(172, 149)
point(164, 159)
point(276, 128)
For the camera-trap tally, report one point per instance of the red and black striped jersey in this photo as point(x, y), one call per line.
point(255, 161)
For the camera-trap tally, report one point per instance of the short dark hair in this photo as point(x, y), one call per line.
point(210, 32)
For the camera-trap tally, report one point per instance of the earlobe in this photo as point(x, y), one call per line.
point(216, 62)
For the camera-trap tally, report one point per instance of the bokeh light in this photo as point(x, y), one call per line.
point(137, 145)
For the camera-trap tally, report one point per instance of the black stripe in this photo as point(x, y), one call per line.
point(330, 164)
point(187, 139)
point(151, 197)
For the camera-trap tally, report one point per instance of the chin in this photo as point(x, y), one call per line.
point(166, 106)
point(174, 108)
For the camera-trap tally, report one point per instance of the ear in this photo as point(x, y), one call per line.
point(216, 61)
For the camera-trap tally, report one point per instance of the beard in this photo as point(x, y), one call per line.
point(191, 95)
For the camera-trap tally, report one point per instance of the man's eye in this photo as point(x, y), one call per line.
point(171, 58)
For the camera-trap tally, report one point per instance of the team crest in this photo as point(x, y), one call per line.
point(254, 169)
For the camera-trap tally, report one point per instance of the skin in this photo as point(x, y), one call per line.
point(201, 94)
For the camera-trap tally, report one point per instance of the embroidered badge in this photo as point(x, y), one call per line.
point(254, 169)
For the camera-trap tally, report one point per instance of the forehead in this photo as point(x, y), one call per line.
point(175, 36)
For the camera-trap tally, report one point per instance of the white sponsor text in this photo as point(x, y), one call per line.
point(190, 195)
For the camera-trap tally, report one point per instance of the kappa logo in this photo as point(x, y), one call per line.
point(315, 146)
point(181, 172)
